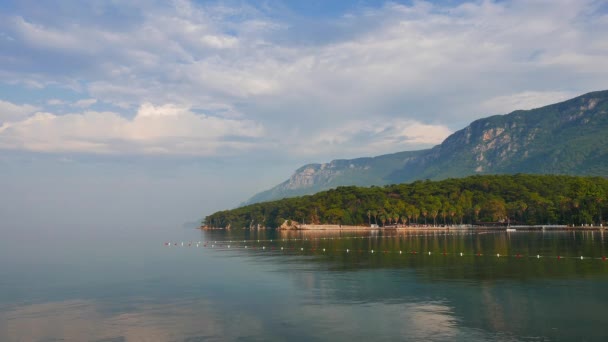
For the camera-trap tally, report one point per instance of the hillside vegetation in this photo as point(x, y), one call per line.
point(520, 199)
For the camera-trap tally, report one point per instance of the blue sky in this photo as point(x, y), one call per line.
point(175, 109)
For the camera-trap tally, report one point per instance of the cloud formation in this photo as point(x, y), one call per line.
point(365, 138)
point(166, 129)
point(84, 103)
point(369, 81)
point(14, 112)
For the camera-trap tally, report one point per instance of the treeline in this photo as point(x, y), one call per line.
point(517, 199)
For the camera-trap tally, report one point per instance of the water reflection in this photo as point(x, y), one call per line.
point(85, 320)
point(508, 298)
point(82, 320)
point(145, 291)
point(328, 250)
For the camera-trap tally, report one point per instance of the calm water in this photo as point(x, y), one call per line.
point(123, 284)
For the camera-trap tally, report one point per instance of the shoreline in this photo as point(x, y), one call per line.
point(329, 227)
point(442, 228)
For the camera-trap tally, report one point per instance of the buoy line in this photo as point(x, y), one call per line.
point(299, 250)
point(430, 234)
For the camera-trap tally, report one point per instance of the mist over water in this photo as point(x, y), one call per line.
point(124, 284)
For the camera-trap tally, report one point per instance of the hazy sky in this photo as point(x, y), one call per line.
point(163, 111)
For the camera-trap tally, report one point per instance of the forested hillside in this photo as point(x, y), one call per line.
point(521, 199)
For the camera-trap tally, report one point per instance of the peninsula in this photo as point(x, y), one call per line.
point(484, 199)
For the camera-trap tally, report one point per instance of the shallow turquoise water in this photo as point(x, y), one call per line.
point(124, 284)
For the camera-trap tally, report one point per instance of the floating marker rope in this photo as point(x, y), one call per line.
point(434, 234)
point(314, 250)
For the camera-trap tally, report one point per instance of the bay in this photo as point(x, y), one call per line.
point(135, 284)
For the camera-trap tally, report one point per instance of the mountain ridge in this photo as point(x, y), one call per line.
point(562, 138)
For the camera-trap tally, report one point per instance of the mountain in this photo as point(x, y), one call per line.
point(569, 137)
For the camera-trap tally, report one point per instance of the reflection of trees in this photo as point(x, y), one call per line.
point(452, 266)
point(519, 296)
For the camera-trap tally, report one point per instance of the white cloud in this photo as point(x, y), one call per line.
point(55, 102)
point(13, 112)
point(84, 103)
point(524, 100)
point(219, 42)
point(166, 129)
point(368, 138)
point(45, 37)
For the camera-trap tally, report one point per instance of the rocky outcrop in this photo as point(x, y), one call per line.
point(289, 225)
point(313, 174)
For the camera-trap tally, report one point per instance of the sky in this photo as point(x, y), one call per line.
point(162, 112)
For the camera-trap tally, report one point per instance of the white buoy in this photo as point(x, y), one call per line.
point(537, 256)
point(460, 253)
point(264, 247)
point(429, 253)
point(581, 257)
point(323, 249)
point(281, 248)
point(347, 250)
point(228, 246)
point(498, 255)
point(245, 247)
point(372, 251)
point(399, 252)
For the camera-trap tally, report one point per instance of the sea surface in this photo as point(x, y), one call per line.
point(142, 284)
